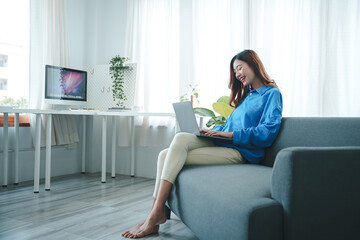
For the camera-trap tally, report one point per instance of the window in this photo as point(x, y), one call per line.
point(14, 54)
point(3, 60)
point(3, 84)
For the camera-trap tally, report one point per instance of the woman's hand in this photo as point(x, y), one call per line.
point(209, 132)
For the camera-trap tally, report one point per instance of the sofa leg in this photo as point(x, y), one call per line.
point(167, 212)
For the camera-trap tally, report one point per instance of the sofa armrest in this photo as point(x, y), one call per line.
point(319, 189)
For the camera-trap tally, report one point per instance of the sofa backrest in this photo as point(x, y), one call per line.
point(314, 132)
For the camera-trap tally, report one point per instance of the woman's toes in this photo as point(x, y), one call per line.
point(129, 235)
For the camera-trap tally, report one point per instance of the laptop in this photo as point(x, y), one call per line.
point(187, 121)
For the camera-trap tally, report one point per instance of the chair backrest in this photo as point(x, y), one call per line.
point(314, 132)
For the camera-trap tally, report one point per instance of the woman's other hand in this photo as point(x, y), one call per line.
point(209, 132)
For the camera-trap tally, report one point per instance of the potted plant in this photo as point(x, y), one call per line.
point(116, 70)
point(193, 94)
point(221, 106)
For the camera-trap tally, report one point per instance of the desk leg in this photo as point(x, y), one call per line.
point(16, 126)
point(83, 144)
point(113, 146)
point(5, 150)
point(48, 153)
point(103, 157)
point(132, 146)
point(37, 153)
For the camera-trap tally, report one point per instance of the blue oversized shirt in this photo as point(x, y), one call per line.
point(255, 123)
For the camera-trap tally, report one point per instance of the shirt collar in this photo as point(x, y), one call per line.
point(260, 90)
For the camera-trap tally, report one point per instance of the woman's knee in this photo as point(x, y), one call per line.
point(162, 156)
point(183, 137)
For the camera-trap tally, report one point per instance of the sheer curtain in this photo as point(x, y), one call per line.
point(153, 44)
point(176, 43)
point(309, 47)
point(218, 33)
point(49, 46)
point(152, 41)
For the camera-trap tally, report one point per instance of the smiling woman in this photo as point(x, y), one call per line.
point(246, 65)
point(251, 127)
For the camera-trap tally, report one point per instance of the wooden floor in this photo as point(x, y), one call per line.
point(81, 207)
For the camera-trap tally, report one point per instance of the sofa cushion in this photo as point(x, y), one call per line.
point(314, 132)
point(232, 200)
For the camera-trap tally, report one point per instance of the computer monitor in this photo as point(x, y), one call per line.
point(65, 86)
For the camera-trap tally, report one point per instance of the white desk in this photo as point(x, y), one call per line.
point(48, 113)
point(132, 115)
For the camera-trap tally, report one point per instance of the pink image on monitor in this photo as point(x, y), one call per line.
point(70, 81)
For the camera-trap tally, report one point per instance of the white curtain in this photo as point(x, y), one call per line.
point(309, 47)
point(152, 41)
point(218, 33)
point(48, 42)
point(178, 43)
point(165, 36)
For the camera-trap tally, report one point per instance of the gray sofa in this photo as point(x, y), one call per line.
point(307, 187)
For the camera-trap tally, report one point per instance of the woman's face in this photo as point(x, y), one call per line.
point(244, 73)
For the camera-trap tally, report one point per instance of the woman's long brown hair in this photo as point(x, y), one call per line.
point(238, 90)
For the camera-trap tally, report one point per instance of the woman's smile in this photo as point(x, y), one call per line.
point(242, 79)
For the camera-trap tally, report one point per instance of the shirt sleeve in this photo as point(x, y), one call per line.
point(218, 127)
point(264, 134)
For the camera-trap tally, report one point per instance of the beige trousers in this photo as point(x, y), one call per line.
point(188, 149)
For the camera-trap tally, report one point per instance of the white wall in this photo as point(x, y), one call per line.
point(104, 31)
point(96, 31)
point(76, 24)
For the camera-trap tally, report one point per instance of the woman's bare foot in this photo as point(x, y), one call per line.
point(149, 226)
point(157, 214)
point(132, 230)
point(154, 230)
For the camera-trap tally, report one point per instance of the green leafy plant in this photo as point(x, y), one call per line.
point(19, 103)
point(116, 70)
point(221, 106)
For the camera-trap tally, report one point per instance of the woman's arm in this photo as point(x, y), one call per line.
point(264, 134)
point(261, 135)
point(219, 128)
